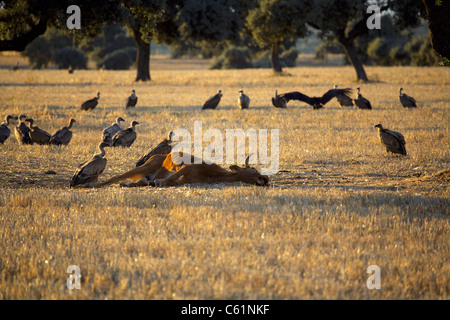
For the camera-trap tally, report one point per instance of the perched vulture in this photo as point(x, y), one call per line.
point(38, 135)
point(22, 131)
point(164, 147)
point(391, 140)
point(344, 101)
point(5, 132)
point(109, 132)
point(126, 137)
point(278, 103)
point(70, 70)
point(407, 101)
point(91, 103)
point(213, 101)
point(132, 100)
point(63, 135)
point(243, 100)
point(362, 102)
point(90, 170)
point(315, 102)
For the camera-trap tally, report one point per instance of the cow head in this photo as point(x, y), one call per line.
point(250, 175)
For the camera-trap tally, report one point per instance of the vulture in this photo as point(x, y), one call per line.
point(109, 132)
point(91, 103)
point(132, 100)
point(90, 170)
point(315, 102)
point(278, 103)
point(38, 135)
point(362, 102)
point(163, 147)
point(5, 132)
point(243, 100)
point(22, 131)
point(393, 141)
point(70, 70)
point(407, 101)
point(126, 137)
point(63, 135)
point(213, 101)
point(344, 101)
point(16, 67)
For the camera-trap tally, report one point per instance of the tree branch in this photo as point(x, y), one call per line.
point(19, 43)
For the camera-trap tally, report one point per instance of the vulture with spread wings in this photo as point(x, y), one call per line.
point(315, 102)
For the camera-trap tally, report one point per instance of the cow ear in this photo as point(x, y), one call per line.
point(235, 168)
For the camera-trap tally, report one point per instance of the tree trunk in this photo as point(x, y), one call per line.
point(437, 16)
point(350, 51)
point(275, 58)
point(143, 55)
point(143, 61)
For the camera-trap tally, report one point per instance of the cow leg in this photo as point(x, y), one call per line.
point(151, 166)
point(173, 179)
point(144, 182)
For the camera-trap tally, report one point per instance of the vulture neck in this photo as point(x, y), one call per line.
point(6, 123)
point(102, 153)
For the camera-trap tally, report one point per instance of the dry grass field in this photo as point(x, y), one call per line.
point(339, 204)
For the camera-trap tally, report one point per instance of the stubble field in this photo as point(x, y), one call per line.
point(339, 204)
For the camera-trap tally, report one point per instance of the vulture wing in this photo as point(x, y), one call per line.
point(124, 138)
point(89, 104)
point(162, 148)
point(295, 95)
point(392, 142)
point(278, 103)
point(212, 102)
point(244, 101)
point(131, 102)
point(407, 101)
point(362, 103)
point(397, 135)
point(333, 93)
point(5, 132)
point(62, 136)
point(40, 136)
point(113, 129)
point(88, 171)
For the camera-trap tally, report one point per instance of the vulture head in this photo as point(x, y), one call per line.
point(170, 136)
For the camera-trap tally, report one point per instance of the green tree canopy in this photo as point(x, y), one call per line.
point(275, 22)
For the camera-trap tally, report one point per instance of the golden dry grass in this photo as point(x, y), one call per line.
point(339, 204)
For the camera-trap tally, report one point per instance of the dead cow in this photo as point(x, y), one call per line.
point(161, 171)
